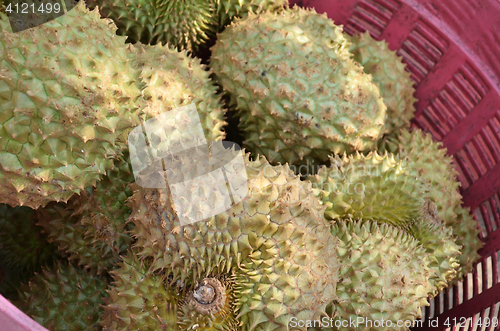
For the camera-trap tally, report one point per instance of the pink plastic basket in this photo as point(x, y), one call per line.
point(452, 49)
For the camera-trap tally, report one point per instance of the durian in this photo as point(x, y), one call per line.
point(91, 228)
point(299, 94)
point(10, 281)
point(64, 298)
point(182, 24)
point(388, 72)
point(68, 99)
point(465, 229)
point(160, 303)
point(275, 244)
point(372, 187)
point(439, 242)
point(23, 247)
point(383, 275)
point(172, 79)
point(421, 152)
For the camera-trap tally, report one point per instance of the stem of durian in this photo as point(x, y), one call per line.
point(208, 297)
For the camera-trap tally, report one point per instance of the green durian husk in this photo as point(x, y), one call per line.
point(383, 275)
point(64, 298)
point(423, 153)
point(275, 240)
point(97, 217)
point(438, 240)
point(172, 79)
point(372, 187)
point(67, 105)
point(92, 227)
point(185, 25)
point(10, 282)
point(140, 299)
point(299, 95)
point(23, 246)
point(388, 72)
point(465, 228)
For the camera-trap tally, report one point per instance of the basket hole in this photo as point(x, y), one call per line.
point(371, 15)
point(475, 326)
point(480, 219)
point(470, 286)
point(479, 278)
point(492, 141)
point(422, 50)
point(459, 288)
point(428, 121)
point(495, 315)
point(476, 159)
point(491, 215)
point(489, 273)
point(432, 309)
point(498, 266)
point(483, 143)
point(441, 302)
point(468, 170)
point(486, 314)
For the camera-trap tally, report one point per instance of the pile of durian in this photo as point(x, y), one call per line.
point(349, 213)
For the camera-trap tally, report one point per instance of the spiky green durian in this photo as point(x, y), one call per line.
point(275, 242)
point(64, 298)
point(299, 94)
point(91, 228)
point(439, 242)
point(383, 276)
point(421, 152)
point(160, 303)
point(465, 229)
point(229, 9)
point(388, 72)
point(23, 248)
point(183, 24)
point(68, 93)
point(173, 79)
point(372, 187)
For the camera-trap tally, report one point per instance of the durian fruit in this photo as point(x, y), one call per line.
point(421, 152)
point(372, 187)
point(64, 298)
point(91, 228)
point(154, 300)
point(67, 102)
point(183, 24)
point(388, 72)
point(299, 95)
point(465, 228)
point(172, 79)
point(163, 304)
point(439, 242)
point(383, 275)
point(10, 282)
point(23, 247)
point(275, 245)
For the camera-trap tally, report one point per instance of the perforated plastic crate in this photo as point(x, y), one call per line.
point(452, 49)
